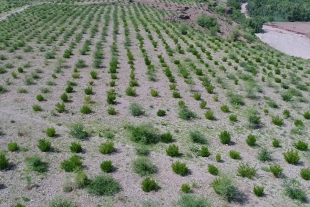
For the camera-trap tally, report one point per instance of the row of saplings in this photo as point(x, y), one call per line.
point(106, 185)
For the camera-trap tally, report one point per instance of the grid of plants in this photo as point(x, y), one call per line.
point(113, 105)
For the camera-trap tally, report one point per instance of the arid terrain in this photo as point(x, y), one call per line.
point(130, 86)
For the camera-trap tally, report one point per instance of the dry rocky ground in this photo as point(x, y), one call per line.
point(19, 123)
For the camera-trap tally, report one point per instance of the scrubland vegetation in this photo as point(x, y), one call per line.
point(108, 104)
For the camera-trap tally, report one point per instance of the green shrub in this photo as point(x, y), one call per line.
point(80, 63)
point(44, 145)
point(85, 109)
point(76, 147)
point(276, 143)
point(225, 137)
point(173, 151)
point(154, 93)
point(143, 166)
point(36, 164)
point(149, 185)
point(302, 146)
point(225, 108)
point(60, 107)
point(251, 140)
point(61, 202)
point(198, 137)
point(161, 112)
point(292, 190)
point(144, 134)
point(277, 121)
point(298, 123)
point(50, 132)
point(77, 131)
point(204, 152)
point(264, 155)
point(69, 89)
point(234, 155)
point(218, 158)
point(103, 185)
point(106, 148)
point(186, 114)
point(166, 137)
point(209, 115)
point(188, 200)
point(72, 164)
point(4, 162)
point(224, 187)
point(291, 157)
point(88, 90)
point(112, 111)
point(131, 91)
point(40, 97)
point(254, 119)
point(233, 118)
point(203, 104)
point(207, 22)
point(142, 151)
point(305, 173)
point(94, 74)
point(258, 191)
point(286, 113)
point(307, 115)
point(106, 166)
point(180, 168)
point(236, 100)
point(245, 170)
point(136, 109)
point(81, 180)
point(176, 94)
point(64, 97)
point(185, 188)
point(213, 170)
point(197, 96)
point(13, 146)
point(276, 170)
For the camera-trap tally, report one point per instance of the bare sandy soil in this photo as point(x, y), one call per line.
point(288, 42)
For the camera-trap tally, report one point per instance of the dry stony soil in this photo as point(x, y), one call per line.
point(249, 80)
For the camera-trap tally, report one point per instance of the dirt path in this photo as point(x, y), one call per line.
point(13, 12)
point(244, 10)
point(285, 41)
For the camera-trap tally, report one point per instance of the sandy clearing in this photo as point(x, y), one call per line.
point(287, 42)
point(244, 10)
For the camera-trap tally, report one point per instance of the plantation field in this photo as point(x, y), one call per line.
point(113, 104)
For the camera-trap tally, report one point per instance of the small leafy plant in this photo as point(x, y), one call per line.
point(173, 151)
point(276, 170)
point(291, 157)
point(245, 170)
point(13, 146)
point(305, 173)
point(258, 191)
point(225, 137)
point(51, 132)
point(180, 168)
point(212, 169)
point(44, 145)
point(106, 148)
point(185, 188)
point(76, 147)
point(72, 164)
point(149, 185)
point(106, 166)
point(234, 155)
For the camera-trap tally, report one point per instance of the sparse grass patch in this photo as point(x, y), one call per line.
point(188, 200)
point(300, 145)
point(61, 202)
point(277, 121)
point(292, 190)
point(245, 170)
point(186, 114)
point(136, 109)
point(106, 148)
point(85, 109)
point(103, 185)
point(143, 166)
point(144, 134)
point(198, 137)
point(264, 155)
point(36, 164)
point(77, 131)
point(224, 187)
